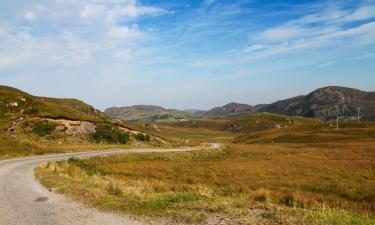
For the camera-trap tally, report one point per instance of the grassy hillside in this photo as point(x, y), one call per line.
point(323, 132)
point(32, 125)
point(148, 113)
point(14, 102)
point(247, 123)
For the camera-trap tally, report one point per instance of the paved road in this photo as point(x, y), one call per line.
point(23, 201)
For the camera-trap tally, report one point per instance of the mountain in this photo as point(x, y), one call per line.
point(324, 103)
point(149, 113)
point(230, 109)
point(327, 103)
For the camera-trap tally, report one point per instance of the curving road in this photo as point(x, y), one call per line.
point(23, 201)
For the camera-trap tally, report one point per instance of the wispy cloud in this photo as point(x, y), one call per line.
point(326, 28)
point(208, 2)
point(254, 48)
point(326, 64)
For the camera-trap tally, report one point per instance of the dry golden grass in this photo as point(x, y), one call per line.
point(232, 181)
point(316, 175)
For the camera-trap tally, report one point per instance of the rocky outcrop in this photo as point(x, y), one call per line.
point(73, 127)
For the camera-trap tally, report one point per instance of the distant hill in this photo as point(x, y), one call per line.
point(327, 103)
point(230, 109)
point(149, 113)
point(324, 103)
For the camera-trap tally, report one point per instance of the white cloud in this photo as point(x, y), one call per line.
point(29, 16)
point(90, 11)
point(8, 61)
point(122, 55)
point(324, 22)
point(126, 33)
point(208, 2)
point(326, 28)
point(253, 48)
point(357, 36)
point(134, 11)
point(3, 32)
point(281, 33)
point(365, 12)
point(326, 64)
point(365, 56)
point(73, 32)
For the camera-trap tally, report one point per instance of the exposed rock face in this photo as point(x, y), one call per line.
point(72, 127)
point(328, 102)
point(82, 128)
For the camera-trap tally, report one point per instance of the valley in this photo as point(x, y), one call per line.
point(261, 168)
point(272, 169)
point(187, 112)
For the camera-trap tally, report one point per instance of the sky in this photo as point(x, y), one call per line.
point(185, 54)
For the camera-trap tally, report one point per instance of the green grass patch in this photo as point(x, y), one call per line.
point(336, 217)
point(164, 201)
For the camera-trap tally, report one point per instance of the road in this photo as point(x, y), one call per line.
point(24, 201)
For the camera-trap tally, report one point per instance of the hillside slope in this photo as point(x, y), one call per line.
point(327, 103)
point(247, 123)
point(147, 113)
point(324, 103)
point(15, 102)
point(32, 125)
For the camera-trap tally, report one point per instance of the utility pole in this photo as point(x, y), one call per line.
point(359, 113)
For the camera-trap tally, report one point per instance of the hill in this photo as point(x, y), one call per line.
point(149, 113)
point(324, 103)
point(327, 103)
point(32, 125)
point(248, 123)
point(15, 102)
point(229, 109)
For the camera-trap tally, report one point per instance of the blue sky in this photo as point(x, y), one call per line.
point(185, 54)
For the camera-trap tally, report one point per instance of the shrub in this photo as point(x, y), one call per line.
point(142, 137)
point(43, 128)
point(106, 133)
